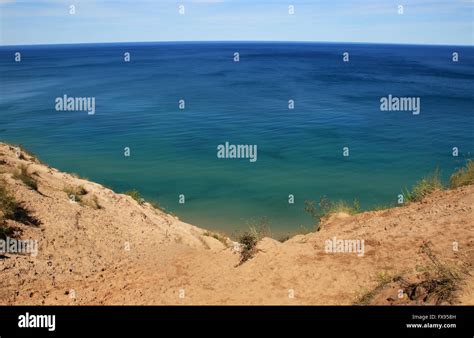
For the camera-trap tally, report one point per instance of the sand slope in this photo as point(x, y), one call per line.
point(83, 256)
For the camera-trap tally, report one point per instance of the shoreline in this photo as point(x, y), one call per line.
point(106, 248)
point(262, 223)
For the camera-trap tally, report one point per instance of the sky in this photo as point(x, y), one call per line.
point(445, 22)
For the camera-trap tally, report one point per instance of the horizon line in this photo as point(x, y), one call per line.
point(237, 41)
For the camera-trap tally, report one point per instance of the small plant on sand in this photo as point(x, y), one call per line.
point(260, 227)
point(215, 235)
point(325, 208)
point(424, 187)
point(343, 206)
point(383, 279)
point(438, 284)
point(249, 239)
point(23, 175)
point(135, 194)
point(11, 209)
point(463, 176)
point(75, 193)
point(8, 204)
point(8, 231)
point(5, 231)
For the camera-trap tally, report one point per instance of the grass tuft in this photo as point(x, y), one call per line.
point(75, 193)
point(326, 208)
point(424, 187)
point(215, 235)
point(439, 283)
point(23, 175)
point(463, 176)
point(7, 231)
point(11, 209)
point(135, 194)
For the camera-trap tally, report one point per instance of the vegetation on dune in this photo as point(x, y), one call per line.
point(325, 208)
point(135, 194)
point(432, 182)
point(248, 240)
point(23, 175)
point(424, 187)
point(7, 230)
point(80, 195)
point(383, 279)
point(8, 204)
point(438, 284)
point(75, 193)
point(342, 206)
point(463, 176)
point(220, 237)
point(13, 210)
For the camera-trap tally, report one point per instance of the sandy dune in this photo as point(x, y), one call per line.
point(127, 253)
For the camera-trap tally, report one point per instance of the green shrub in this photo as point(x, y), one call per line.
point(463, 176)
point(8, 231)
point(424, 187)
point(248, 241)
point(135, 194)
point(325, 208)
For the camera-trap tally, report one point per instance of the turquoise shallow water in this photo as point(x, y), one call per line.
point(299, 151)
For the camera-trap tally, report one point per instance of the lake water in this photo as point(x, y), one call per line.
point(300, 150)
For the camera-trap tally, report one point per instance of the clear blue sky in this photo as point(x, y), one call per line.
point(423, 21)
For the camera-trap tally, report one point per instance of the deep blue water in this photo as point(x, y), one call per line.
point(299, 151)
